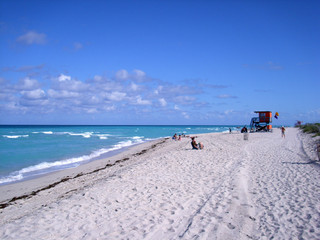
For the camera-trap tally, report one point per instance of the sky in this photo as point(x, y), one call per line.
point(158, 62)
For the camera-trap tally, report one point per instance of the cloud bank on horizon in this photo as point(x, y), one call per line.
point(125, 94)
point(124, 63)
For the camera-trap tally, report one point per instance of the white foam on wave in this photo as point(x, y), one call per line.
point(122, 144)
point(88, 134)
point(85, 135)
point(11, 178)
point(102, 136)
point(136, 138)
point(15, 136)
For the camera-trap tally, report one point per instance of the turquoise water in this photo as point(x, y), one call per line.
point(29, 151)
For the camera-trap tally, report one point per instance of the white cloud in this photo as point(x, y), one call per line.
point(63, 78)
point(27, 84)
point(108, 108)
point(224, 96)
point(32, 37)
point(185, 115)
point(98, 94)
point(227, 112)
point(139, 75)
point(91, 110)
point(26, 68)
point(158, 90)
point(140, 101)
point(136, 75)
point(134, 86)
point(13, 106)
point(98, 78)
point(104, 84)
point(116, 96)
point(64, 82)
point(312, 115)
point(94, 100)
point(122, 75)
point(163, 102)
point(34, 103)
point(34, 94)
point(185, 100)
point(62, 94)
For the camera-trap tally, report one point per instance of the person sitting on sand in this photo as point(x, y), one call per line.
point(175, 137)
point(244, 129)
point(195, 145)
point(179, 137)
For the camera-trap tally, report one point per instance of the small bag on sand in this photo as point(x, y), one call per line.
point(245, 136)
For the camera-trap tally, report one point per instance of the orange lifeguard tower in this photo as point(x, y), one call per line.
point(261, 123)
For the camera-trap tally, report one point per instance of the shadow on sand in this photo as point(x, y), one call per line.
point(315, 162)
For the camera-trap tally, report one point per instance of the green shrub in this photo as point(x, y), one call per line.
point(311, 128)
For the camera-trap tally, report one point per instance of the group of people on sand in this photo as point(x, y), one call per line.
point(194, 144)
point(199, 146)
point(175, 136)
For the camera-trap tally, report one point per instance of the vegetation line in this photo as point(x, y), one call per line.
point(311, 128)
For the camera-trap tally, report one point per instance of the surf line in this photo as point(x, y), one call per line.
point(33, 193)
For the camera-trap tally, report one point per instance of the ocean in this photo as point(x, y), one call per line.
point(30, 151)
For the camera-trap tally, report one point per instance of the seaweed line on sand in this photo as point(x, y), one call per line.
point(33, 193)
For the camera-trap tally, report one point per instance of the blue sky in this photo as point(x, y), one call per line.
point(158, 62)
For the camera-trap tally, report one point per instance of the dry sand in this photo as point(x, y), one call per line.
point(265, 188)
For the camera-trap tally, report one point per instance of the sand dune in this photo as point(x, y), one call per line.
point(264, 188)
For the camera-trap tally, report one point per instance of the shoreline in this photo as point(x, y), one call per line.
point(261, 188)
point(103, 156)
point(31, 187)
point(52, 162)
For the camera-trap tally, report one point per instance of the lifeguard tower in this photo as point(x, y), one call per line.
point(261, 123)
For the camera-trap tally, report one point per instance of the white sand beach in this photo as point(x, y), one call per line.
point(267, 187)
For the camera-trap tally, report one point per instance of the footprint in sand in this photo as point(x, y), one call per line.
point(230, 226)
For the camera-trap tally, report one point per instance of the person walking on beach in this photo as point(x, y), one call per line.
point(283, 132)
